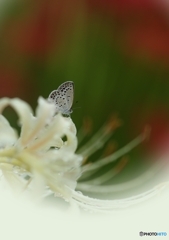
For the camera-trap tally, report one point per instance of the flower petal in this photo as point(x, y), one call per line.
point(24, 112)
point(44, 113)
point(8, 135)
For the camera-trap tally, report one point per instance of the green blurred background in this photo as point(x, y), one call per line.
point(115, 51)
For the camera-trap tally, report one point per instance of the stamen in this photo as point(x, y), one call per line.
point(85, 130)
point(109, 174)
point(119, 153)
point(120, 186)
point(99, 139)
point(110, 148)
point(96, 205)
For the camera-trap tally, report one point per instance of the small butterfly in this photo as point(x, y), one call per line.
point(63, 97)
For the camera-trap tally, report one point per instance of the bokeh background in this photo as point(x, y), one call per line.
point(115, 51)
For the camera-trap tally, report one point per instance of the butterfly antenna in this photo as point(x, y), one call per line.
point(76, 107)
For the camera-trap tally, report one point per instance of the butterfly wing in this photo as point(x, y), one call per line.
point(67, 92)
point(63, 97)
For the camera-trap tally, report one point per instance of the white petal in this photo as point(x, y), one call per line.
point(37, 133)
point(24, 112)
point(44, 114)
point(71, 125)
point(50, 136)
point(45, 110)
point(7, 134)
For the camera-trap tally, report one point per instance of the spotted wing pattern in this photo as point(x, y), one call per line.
point(63, 97)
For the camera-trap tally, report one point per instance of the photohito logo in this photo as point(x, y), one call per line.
point(161, 234)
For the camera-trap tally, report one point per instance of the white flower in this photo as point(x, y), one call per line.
point(39, 150)
point(42, 158)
